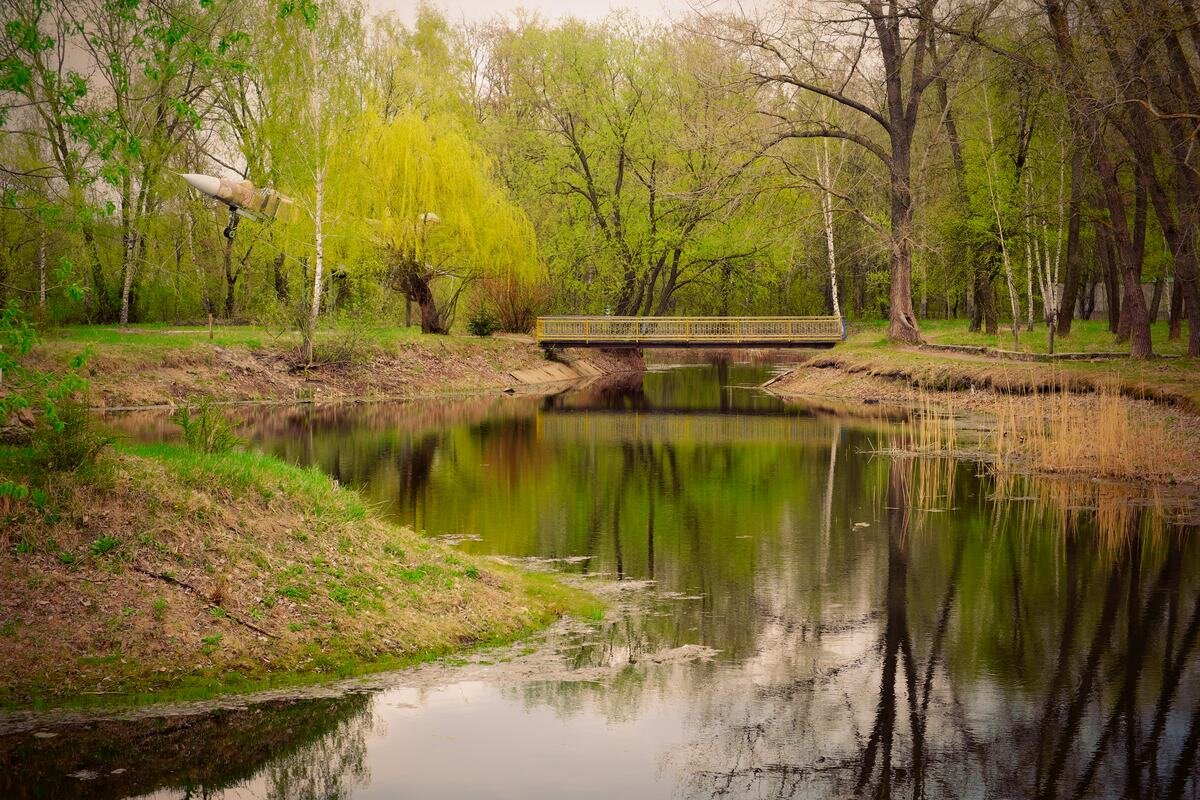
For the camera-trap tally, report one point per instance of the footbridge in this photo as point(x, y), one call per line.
point(720, 332)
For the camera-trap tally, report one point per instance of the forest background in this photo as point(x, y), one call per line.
point(1012, 164)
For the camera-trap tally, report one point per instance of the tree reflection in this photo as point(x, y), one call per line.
point(285, 750)
point(960, 695)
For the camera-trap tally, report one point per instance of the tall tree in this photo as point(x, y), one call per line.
point(1087, 114)
point(311, 78)
point(792, 55)
point(429, 211)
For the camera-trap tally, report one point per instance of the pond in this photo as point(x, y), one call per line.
point(866, 625)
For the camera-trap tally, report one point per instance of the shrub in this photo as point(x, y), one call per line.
point(205, 428)
point(514, 300)
point(47, 411)
point(482, 323)
point(67, 439)
point(103, 545)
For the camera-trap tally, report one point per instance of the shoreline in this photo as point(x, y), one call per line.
point(168, 575)
point(1042, 433)
point(137, 370)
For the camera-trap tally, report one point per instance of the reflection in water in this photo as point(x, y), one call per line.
point(299, 750)
point(895, 627)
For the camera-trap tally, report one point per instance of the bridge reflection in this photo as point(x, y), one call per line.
point(679, 427)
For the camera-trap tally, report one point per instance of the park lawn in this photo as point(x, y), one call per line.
point(1087, 336)
point(161, 365)
point(160, 337)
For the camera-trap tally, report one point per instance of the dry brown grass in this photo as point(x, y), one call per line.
point(1101, 435)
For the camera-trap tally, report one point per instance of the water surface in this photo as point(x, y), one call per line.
point(884, 626)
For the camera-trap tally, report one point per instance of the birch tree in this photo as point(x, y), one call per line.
point(309, 74)
point(994, 198)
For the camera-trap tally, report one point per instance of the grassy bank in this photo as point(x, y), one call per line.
point(867, 353)
point(152, 365)
point(168, 574)
point(1119, 420)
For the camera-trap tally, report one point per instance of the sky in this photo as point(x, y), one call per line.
point(477, 10)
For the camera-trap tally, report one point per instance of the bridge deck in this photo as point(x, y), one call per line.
point(689, 331)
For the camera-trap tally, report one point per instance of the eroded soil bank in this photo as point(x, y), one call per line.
point(135, 370)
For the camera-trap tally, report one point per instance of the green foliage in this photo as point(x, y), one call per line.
point(482, 323)
point(63, 435)
point(105, 544)
point(205, 428)
point(295, 592)
point(67, 439)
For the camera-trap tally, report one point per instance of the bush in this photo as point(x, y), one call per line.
point(514, 300)
point(482, 323)
point(205, 428)
point(46, 411)
point(66, 439)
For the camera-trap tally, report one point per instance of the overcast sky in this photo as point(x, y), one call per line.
point(475, 10)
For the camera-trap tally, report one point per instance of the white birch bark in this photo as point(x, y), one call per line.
point(318, 259)
point(41, 265)
point(827, 214)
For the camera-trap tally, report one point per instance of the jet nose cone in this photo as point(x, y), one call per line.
point(203, 183)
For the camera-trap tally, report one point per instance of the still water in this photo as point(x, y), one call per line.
point(881, 626)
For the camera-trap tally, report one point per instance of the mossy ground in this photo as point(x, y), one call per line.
point(163, 573)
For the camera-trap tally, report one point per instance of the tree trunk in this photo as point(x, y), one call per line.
point(1104, 248)
point(1175, 317)
point(1087, 301)
point(127, 280)
point(231, 277)
point(902, 325)
point(1187, 266)
point(1156, 300)
point(827, 215)
point(1074, 276)
point(1086, 112)
point(280, 279)
point(41, 265)
point(1139, 254)
point(1013, 301)
point(416, 288)
point(318, 266)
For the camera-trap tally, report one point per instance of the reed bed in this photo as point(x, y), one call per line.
point(1098, 436)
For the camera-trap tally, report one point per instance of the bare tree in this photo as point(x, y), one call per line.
point(882, 53)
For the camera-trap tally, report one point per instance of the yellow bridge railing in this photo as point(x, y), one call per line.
point(706, 331)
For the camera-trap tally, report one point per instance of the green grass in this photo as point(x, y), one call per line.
point(150, 337)
point(252, 471)
point(311, 581)
point(335, 659)
point(1087, 336)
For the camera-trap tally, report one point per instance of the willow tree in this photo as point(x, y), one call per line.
point(430, 213)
